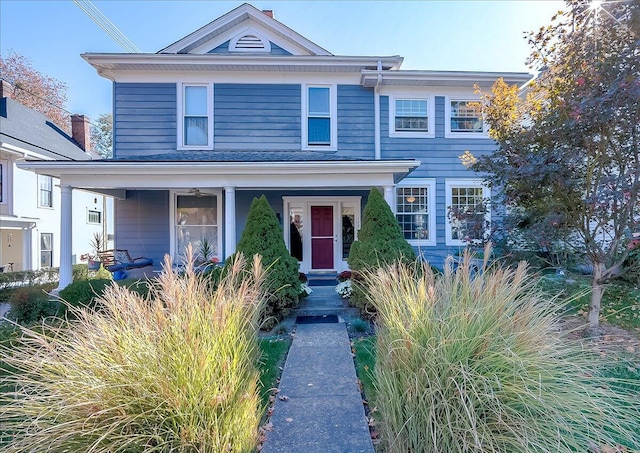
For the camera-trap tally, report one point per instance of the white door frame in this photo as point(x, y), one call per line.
point(303, 204)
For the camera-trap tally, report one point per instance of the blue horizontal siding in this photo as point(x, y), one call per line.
point(144, 118)
point(356, 127)
point(256, 117)
point(142, 224)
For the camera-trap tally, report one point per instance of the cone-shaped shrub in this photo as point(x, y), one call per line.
point(475, 362)
point(262, 235)
point(176, 371)
point(380, 242)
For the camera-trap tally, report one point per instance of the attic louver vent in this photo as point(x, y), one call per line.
point(250, 42)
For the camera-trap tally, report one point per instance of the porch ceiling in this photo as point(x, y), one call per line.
point(174, 174)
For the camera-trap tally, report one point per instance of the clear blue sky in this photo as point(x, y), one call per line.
point(437, 35)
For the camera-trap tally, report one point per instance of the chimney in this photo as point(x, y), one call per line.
point(268, 12)
point(81, 131)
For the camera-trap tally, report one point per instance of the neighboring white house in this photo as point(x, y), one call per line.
point(30, 226)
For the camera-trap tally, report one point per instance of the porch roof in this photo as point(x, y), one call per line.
point(220, 169)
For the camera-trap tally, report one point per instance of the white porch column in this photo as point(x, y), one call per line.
point(229, 221)
point(66, 225)
point(390, 197)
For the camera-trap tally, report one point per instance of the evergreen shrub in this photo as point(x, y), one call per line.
point(380, 243)
point(263, 235)
point(29, 304)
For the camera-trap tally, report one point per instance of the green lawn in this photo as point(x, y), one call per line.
point(274, 351)
point(365, 351)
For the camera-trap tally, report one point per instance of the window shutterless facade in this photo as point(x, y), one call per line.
point(415, 206)
point(45, 191)
point(196, 219)
point(464, 118)
point(3, 179)
point(319, 109)
point(94, 217)
point(46, 249)
point(411, 116)
point(468, 212)
point(195, 116)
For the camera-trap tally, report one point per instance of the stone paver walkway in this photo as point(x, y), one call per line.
point(319, 406)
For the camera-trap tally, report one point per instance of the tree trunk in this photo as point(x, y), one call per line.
point(597, 290)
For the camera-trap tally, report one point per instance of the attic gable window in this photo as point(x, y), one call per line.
point(249, 42)
point(195, 116)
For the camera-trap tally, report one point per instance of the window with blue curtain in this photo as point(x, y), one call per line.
point(319, 116)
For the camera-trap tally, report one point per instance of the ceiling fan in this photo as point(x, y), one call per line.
point(198, 193)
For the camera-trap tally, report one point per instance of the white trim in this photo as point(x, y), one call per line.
point(172, 223)
point(249, 13)
point(447, 120)
point(423, 78)
point(249, 31)
point(333, 117)
point(461, 182)
point(431, 117)
point(38, 198)
point(305, 204)
point(180, 86)
point(430, 184)
point(4, 174)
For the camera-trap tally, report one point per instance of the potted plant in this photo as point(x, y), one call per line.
point(97, 244)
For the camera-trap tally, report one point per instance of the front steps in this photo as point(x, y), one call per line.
point(325, 301)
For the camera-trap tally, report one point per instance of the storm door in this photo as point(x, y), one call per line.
point(322, 237)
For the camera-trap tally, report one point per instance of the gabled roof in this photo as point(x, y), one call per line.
point(240, 23)
point(27, 132)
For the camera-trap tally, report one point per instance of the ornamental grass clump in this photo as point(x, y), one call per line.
point(475, 362)
point(172, 372)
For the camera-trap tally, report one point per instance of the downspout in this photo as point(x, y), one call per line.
point(376, 114)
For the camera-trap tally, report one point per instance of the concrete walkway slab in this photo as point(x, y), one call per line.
point(321, 408)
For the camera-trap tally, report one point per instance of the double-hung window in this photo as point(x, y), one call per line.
point(94, 217)
point(415, 205)
point(46, 249)
point(411, 116)
point(195, 116)
point(464, 118)
point(45, 191)
point(319, 127)
point(468, 211)
point(197, 224)
point(3, 181)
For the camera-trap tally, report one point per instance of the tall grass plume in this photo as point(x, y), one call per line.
point(175, 371)
point(474, 361)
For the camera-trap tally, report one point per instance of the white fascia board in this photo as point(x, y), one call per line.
point(240, 174)
point(242, 13)
point(21, 153)
point(442, 78)
point(109, 65)
point(253, 77)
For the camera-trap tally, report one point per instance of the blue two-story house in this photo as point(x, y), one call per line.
point(246, 106)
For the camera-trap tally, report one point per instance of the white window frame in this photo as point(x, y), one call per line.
point(450, 184)
point(180, 87)
point(40, 205)
point(430, 185)
point(172, 215)
point(42, 250)
point(431, 117)
point(333, 117)
point(89, 211)
point(447, 120)
point(4, 174)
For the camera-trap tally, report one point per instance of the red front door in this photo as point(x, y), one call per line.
point(322, 237)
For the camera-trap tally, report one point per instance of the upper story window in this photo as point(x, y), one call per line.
point(45, 191)
point(319, 125)
point(195, 116)
point(468, 211)
point(415, 210)
point(411, 116)
point(464, 118)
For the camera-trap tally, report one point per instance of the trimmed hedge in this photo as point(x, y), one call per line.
point(380, 243)
point(263, 235)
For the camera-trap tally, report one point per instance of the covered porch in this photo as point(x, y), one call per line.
point(161, 205)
